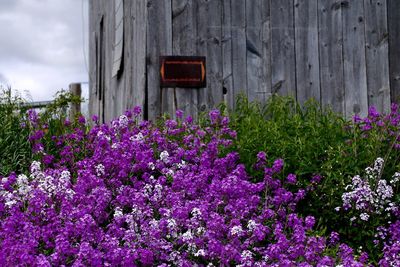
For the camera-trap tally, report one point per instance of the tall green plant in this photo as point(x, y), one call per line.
point(15, 150)
point(316, 144)
point(16, 131)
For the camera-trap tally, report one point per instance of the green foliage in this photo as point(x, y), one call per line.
point(15, 150)
point(53, 117)
point(314, 140)
point(15, 129)
point(281, 128)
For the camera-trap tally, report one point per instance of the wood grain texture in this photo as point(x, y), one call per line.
point(239, 51)
point(214, 88)
point(159, 43)
point(139, 51)
point(93, 35)
point(283, 48)
point(184, 35)
point(330, 54)
point(355, 77)
point(227, 75)
point(307, 51)
point(343, 53)
point(209, 44)
point(254, 60)
point(377, 50)
point(394, 51)
point(266, 67)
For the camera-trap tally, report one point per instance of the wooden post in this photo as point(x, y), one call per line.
point(75, 108)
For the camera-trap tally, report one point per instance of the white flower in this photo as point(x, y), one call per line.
point(100, 170)
point(123, 121)
point(114, 146)
point(164, 156)
point(395, 178)
point(201, 230)
point(384, 191)
point(169, 172)
point(101, 134)
point(118, 212)
point(137, 137)
point(181, 165)
point(151, 166)
point(22, 179)
point(187, 236)
point(251, 225)
point(246, 256)
point(153, 223)
point(236, 230)
point(65, 177)
point(200, 252)
point(364, 216)
point(196, 213)
point(23, 185)
point(35, 166)
point(10, 203)
point(171, 224)
point(147, 190)
point(157, 193)
point(337, 209)
point(378, 165)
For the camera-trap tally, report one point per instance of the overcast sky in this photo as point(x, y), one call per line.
point(42, 44)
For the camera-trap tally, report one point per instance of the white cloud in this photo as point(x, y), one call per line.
point(41, 47)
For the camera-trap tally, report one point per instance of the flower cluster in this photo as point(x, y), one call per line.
point(371, 195)
point(391, 250)
point(141, 195)
point(388, 124)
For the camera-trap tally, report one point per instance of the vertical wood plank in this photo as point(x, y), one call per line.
point(93, 31)
point(238, 31)
point(254, 60)
point(265, 88)
point(355, 77)
point(394, 51)
point(376, 44)
point(330, 54)
point(283, 48)
point(128, 56)
point(209, 44)
point(214, 54)
point(139, 9)
point(184, 37)
point(201, 9)
point(307, 59)
point(229, 96)
point(109, 96)
point(158, 42)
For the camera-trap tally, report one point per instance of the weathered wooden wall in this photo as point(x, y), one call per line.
point(343, 53)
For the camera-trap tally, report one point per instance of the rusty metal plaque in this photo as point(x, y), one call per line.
point(183, 71)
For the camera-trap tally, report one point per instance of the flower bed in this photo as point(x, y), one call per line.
point(142, 195)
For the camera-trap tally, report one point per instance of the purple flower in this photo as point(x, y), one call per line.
point(179, 114)
point(372, 112)
point(137, 110)
point(309, 221)
point(291, 179)
point(81, 120)
point(214, 116)
point(333, 238)
point(278, 165)
point(316, 179)
point(95, 118)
